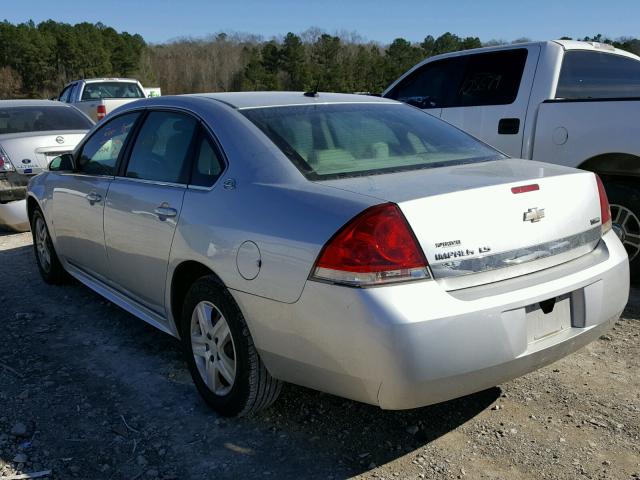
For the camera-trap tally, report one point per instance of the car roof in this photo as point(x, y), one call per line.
point(242, 100)
point(33, 103)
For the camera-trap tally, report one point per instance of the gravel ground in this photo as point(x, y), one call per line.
point(87, 391)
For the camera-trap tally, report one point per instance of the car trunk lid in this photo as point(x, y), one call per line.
point(477, 224)
point(31, 152)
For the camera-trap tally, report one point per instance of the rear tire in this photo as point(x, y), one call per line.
point(49, 265)
point(625, 218)
point(220, 352)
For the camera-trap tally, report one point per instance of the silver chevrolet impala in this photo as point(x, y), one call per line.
point(351, 244)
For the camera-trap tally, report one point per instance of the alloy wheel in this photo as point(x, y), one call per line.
point(42, 244)
point(626, 226)
point(213, 348)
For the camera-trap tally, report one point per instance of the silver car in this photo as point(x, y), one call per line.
point(32, 132)
point(350, 244)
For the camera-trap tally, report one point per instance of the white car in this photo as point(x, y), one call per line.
point(571, 103)
point(32, 132)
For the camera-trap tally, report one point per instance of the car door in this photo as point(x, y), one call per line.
point(78, 197)
point(144, 203)
point(488, 95)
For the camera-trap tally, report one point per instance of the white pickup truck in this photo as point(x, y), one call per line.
point(98, 96)
point(566, 102)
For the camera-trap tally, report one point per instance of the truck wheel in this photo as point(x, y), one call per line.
point(625, 218)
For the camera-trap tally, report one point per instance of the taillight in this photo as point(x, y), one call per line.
point(5, 163)
point(605, 211)
point(101, 111)
point(375, 247)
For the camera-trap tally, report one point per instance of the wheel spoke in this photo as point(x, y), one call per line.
point(227, 368)
point(199, 345)
point(203, 312)
point(212, 375)
point(220, 331)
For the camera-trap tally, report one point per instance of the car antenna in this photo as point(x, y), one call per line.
point(314, 92)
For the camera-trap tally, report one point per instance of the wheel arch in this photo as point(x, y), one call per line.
point(184, 275)
point(614, 164)
point(32, 204)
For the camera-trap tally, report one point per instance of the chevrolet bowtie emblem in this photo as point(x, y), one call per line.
point(533, 215)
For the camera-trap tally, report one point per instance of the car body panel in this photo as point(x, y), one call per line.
point(138, 240)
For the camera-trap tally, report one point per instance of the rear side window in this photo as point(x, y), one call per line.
point(208, 164)
point(161, 149)
point(99, 90)
point(598, 75)
point(42, 119)
point(468, 80)
point(100, 153)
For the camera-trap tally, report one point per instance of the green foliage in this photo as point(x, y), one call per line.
point(38, 60)
point(46, 56)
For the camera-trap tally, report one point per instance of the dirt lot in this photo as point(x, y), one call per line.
point(89, 392)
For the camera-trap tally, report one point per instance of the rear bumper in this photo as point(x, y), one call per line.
point(411, 345)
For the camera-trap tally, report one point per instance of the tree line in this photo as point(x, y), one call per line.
point(38, 60)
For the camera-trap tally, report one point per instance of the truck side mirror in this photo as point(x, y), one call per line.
point(63, 163)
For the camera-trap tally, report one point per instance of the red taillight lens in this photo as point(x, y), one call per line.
point(605, 211)
point(101, 111)
point(375, 247)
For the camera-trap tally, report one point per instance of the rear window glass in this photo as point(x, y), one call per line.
point(42, 119)
point(344, 140)
point(97, 91)
point(598, 75)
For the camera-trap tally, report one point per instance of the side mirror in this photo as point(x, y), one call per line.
point(63, 163)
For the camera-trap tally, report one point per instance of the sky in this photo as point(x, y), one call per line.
point(162, 20)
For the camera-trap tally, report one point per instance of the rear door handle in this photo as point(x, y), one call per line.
point(164, 211)
point(93, 197)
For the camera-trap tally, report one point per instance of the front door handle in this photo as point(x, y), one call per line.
point(93, 197)
point(164, 211)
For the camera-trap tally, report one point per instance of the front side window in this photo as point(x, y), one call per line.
point(587, 74)
point(161, 149)
point(100, 90)
point(42, 119)
point(100, 153)
point(346, 140)
point(468, 80)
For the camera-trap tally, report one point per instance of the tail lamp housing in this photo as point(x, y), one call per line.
point(605, 210)
point(5, 162)
point(376, 247)
point(101, 111)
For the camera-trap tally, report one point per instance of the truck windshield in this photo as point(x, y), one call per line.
point(100, 90)
point(346, 140)
point(42, 119)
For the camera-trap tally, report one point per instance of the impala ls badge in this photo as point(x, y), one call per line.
point(533, 215)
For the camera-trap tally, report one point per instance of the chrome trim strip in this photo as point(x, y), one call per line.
point(519, 257)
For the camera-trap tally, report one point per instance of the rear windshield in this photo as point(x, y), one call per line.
point(42, 119)
point(98, 90)
point(346, 140)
